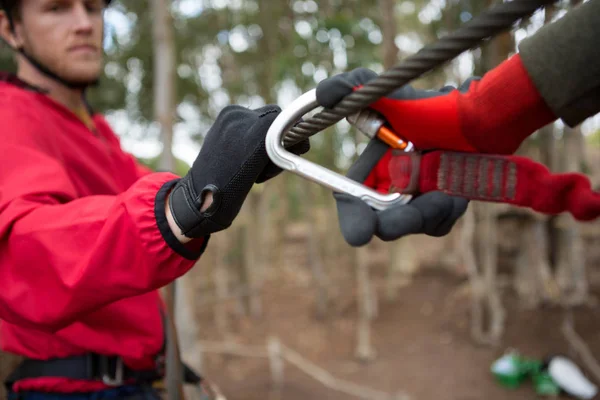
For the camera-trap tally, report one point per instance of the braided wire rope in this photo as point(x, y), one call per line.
point(486, 25)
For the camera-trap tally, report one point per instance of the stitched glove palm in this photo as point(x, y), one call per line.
point(233, 157)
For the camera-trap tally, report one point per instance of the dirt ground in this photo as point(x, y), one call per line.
point(421, 339)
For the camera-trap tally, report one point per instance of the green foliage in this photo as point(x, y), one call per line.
point(181, 167)
point(7, 61)
point(594, 139)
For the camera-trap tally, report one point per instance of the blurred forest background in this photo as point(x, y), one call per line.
point(280, 306)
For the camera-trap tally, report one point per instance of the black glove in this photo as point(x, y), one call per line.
point(433, 213)
point(233, 157)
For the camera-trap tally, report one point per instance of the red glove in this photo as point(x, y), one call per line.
point(494, 114)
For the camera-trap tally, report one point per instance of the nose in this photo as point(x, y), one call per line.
point(81, 18)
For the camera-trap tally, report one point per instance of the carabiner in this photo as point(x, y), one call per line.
point(315, 172)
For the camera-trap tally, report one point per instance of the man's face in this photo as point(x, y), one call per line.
point(64, 35)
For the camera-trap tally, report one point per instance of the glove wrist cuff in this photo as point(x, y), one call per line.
point(185, 208)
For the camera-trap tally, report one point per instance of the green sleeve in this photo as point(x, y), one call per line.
point(563, 61)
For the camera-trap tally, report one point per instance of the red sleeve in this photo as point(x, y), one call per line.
point(62, 256)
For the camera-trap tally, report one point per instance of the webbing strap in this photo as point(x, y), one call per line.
point(93, 367)
point(98, 367)
point(507, 179)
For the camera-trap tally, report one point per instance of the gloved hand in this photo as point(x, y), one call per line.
point(233, 157)
point(427, 118)
point(492, 114)
point(433, 213)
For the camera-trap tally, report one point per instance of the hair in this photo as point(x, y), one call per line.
point(15, 13)
point(12, 9)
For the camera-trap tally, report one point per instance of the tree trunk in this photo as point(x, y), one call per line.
point(571, 271)
point(525, 280)
point(221, 279)
point(364, 348)
point(488, 251)
point(467, 243)
point(252, 256)
point(257, 252)
point(315, 256)
point(479, 246)
point(164, 109)
point(164, 78)
point(549, 157)
point(389, 31)
point(189, 331)
point(265, 239)
point(334, 244)
point(548, 287)
point(402, 265)
point(401, 252)
point(533, 279)
point(485, 241)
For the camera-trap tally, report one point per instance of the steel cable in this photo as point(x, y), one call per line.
point(486, 25)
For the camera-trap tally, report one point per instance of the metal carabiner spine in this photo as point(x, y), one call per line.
point(315, 172)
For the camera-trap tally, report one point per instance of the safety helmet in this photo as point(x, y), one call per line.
point(8, 7)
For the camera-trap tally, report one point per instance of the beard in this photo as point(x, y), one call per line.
point(81, 75)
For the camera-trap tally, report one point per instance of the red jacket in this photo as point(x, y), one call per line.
point(81, 252)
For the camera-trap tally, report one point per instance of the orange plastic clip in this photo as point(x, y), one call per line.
point(391, 139)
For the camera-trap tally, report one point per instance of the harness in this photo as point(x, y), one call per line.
point(110, 370)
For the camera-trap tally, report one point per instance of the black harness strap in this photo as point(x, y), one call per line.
point(95, 367)
point(110, 370)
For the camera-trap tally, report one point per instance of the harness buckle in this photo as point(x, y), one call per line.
point(107, 379)
point(315, 172)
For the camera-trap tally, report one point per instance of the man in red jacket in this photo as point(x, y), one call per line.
point(87, 234)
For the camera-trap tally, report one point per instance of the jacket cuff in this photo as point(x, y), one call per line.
point(192, 250)
point(562, 59)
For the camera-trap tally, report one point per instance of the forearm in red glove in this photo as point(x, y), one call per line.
point(493, 114)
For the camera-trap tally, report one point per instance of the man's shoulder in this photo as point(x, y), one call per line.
point(16, 99)
point(22, 121)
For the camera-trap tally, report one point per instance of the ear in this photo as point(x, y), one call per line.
point(6, 32)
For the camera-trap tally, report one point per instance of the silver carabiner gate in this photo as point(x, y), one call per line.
point(315, 172)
